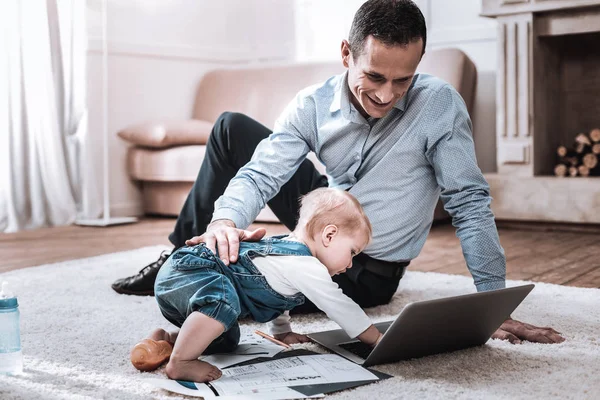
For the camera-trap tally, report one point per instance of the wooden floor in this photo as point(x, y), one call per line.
point(562, 257)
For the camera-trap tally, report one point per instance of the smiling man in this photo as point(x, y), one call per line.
point(395, 139)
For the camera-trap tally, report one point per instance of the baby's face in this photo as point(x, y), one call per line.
point(337, 257)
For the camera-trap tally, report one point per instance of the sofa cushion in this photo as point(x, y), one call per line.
point(456, 68)
point(261, 92)
point(167, 198)
point(166, 134)
point(175, 164)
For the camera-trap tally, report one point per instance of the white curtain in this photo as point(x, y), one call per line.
point(42, 111)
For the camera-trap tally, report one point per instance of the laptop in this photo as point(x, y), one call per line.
point(430, 327)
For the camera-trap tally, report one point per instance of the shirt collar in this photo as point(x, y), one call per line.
point(336, 103)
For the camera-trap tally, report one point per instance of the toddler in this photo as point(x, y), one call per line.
point(198, 293)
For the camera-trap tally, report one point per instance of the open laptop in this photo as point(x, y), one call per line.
point(431, 327)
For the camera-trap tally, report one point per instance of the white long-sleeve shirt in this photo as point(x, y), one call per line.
point(289, 275)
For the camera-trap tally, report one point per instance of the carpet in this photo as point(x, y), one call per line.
point(77, 333)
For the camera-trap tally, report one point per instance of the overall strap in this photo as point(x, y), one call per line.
point(278, 245)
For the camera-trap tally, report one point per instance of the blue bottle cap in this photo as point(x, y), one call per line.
point(6, 304)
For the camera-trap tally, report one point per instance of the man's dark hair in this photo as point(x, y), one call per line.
point(393, 22)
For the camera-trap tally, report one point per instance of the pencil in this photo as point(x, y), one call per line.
point(272, 339)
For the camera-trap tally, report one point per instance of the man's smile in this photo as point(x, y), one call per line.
point(379, 105)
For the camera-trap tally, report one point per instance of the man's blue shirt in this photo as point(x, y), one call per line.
point(396, 166)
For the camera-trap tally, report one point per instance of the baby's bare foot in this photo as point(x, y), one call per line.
point(194, 370)
point(161, 334)
point(149, 354)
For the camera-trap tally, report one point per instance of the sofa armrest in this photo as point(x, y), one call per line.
point(161, 134)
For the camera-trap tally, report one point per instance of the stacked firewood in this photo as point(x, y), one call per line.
point(582, 159)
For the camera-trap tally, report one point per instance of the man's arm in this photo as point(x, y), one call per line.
point(275, 160)
point(464, 191)
point(466, 197)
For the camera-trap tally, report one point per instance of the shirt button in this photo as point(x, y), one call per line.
point(357, 157)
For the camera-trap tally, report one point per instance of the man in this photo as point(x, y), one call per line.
point(394, 139)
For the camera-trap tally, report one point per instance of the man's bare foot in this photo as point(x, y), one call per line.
point(192, 370)
point(150, 354)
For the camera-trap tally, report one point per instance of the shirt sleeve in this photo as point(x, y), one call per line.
point(464, 190)
point(273, 163)
point(314, 282)
point(281, 324)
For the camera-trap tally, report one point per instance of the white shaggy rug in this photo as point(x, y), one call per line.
point(77, 333)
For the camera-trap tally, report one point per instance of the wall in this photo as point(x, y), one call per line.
point(321, 26)
point(157, 52)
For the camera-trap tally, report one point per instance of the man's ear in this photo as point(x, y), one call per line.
point(346, 53)
point(329, 232)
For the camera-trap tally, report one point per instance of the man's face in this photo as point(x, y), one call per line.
point(380, 75)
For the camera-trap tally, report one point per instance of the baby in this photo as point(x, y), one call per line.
point(198, 293)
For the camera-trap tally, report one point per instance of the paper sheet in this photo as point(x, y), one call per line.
point(286, 372)
point(275, 379)
point(205, 392)
point(251, 346)
point(244, 352)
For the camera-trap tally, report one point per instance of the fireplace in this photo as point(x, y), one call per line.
point(548, 91)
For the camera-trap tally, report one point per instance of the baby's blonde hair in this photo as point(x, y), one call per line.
point(328, 206)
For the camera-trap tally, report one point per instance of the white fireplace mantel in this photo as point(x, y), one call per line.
point(548, 90)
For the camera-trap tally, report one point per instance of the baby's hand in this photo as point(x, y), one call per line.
point(292, 338)
point(378, 339)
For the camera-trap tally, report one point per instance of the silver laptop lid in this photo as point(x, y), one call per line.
point(447, 324)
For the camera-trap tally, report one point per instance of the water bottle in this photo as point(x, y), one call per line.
point(11, 358)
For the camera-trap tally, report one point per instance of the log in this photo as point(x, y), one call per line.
point(581, 148)
point(563, 152)
point(583, 170)
point(561, 170)
point(583, 138)
point(582, 144)
point(573, 171)
point(590, 160)
point(596, 148)
point(595, 135)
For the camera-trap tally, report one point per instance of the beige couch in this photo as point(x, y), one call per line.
point(165, 156)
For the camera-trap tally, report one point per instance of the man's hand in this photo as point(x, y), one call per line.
point(292, 338)
point(224, 236)
point(515, 331)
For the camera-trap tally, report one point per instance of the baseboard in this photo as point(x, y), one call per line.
point(542, 226)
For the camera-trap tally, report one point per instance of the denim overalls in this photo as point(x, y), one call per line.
point(194, 279)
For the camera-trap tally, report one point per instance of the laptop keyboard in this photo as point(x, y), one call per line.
point(359, 348)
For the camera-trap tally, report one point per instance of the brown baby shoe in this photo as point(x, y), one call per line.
point(150, 354)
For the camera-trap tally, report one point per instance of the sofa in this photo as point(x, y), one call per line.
point(165, 156)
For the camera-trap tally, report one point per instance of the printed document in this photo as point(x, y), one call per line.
point(251, 346)
point(289, 372)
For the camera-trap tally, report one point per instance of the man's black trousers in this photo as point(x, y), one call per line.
point(230, 146)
